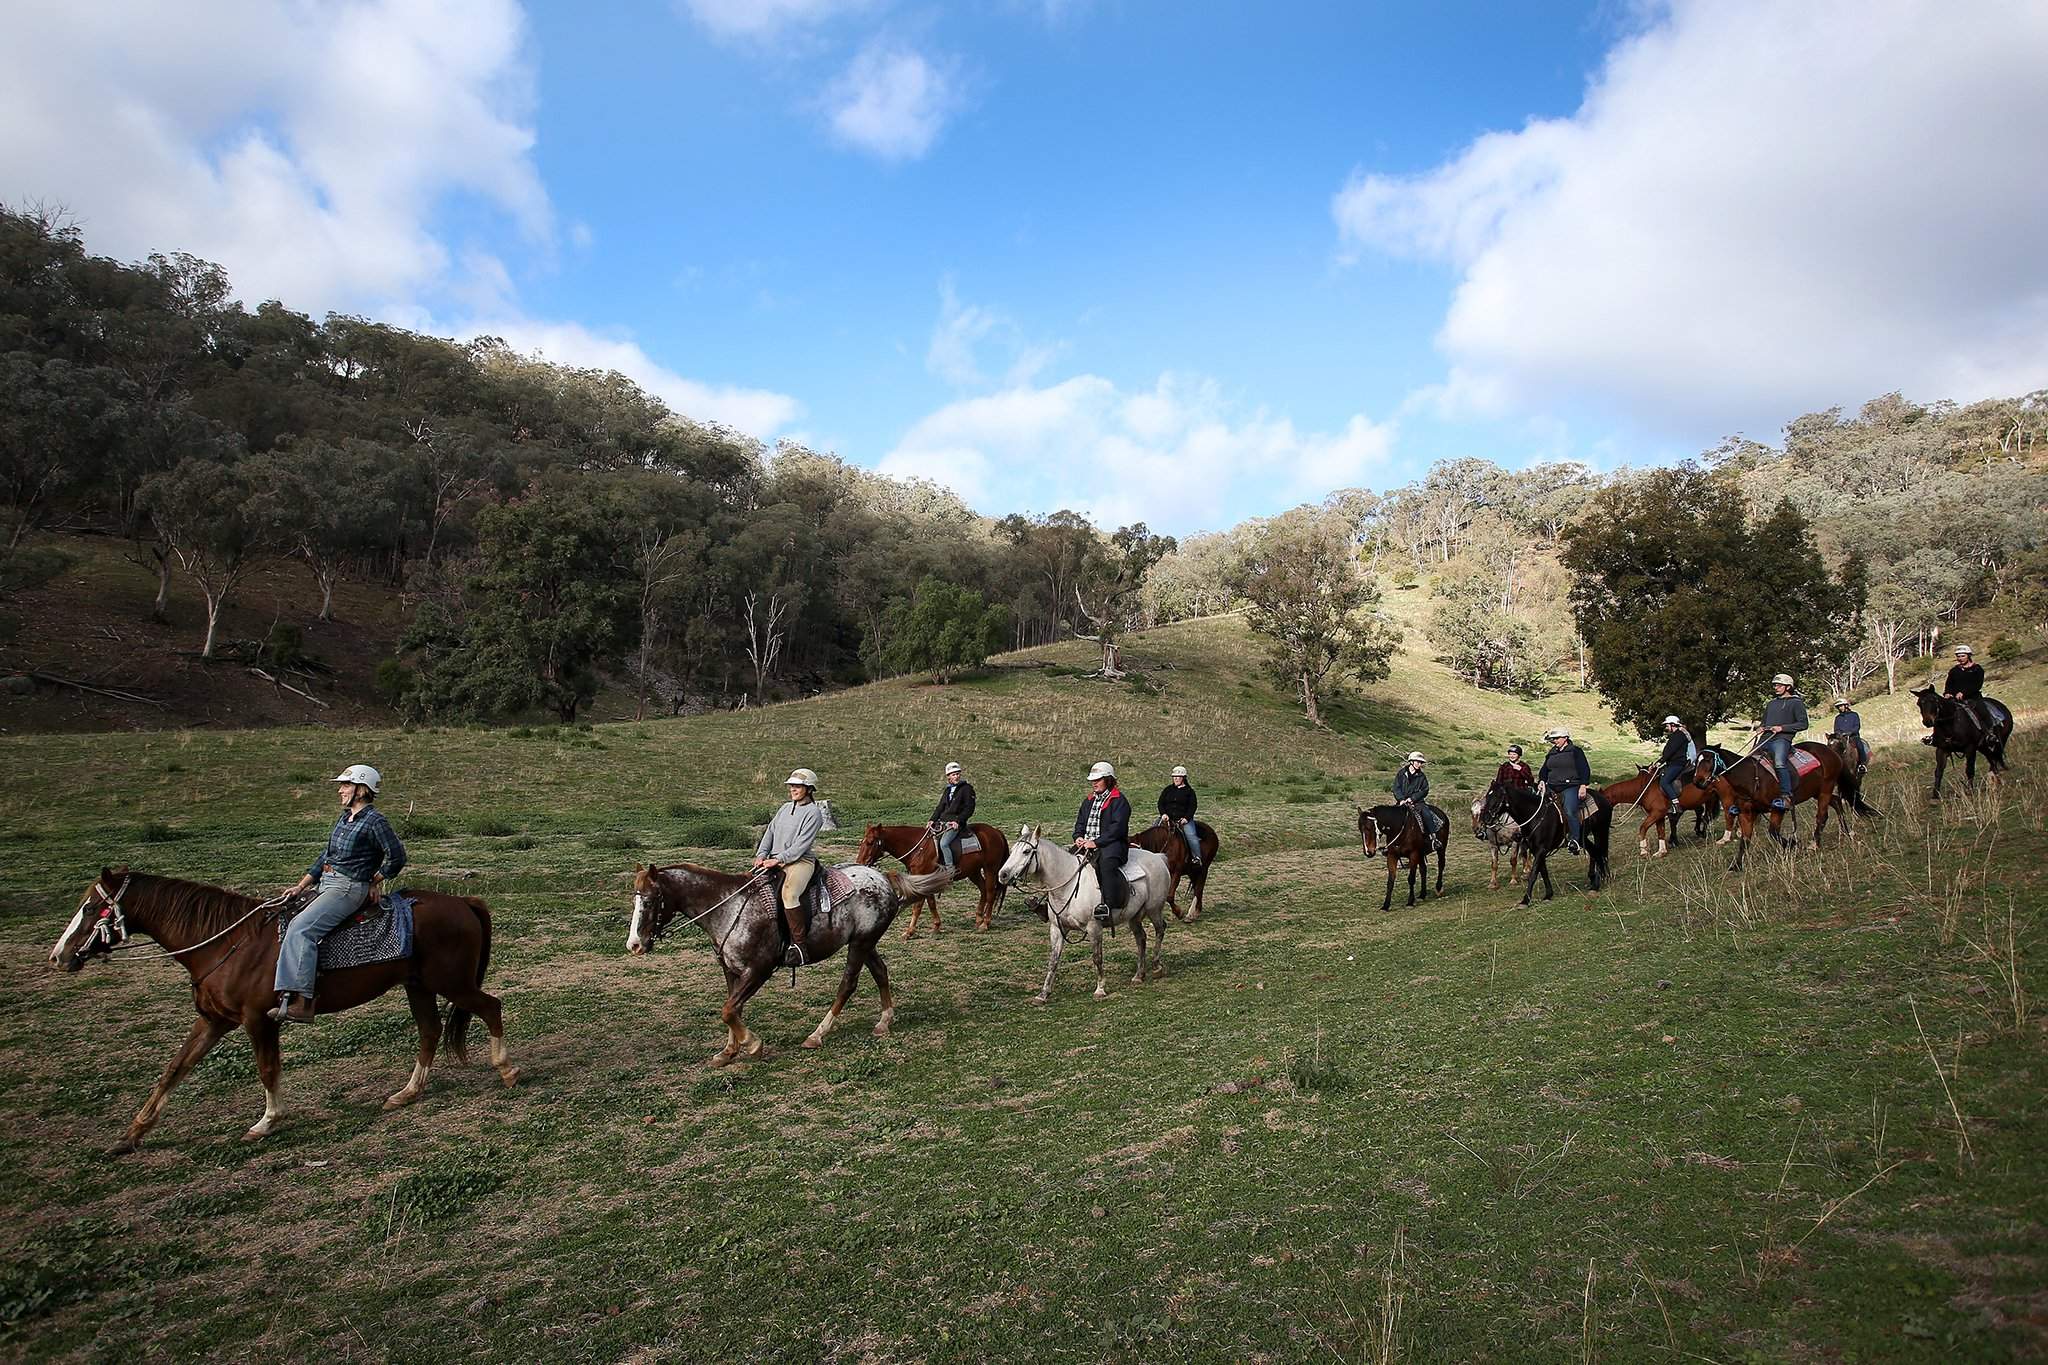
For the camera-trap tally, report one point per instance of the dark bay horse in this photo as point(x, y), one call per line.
point(1494, 816)
point(1396, 834)
point(228, 942)
point(917, 847)
point(1538, 822)
point(742, 915)
point(1748, 787)
point(1957, 733)
point(1168, 843)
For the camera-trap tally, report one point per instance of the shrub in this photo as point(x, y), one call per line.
point(284, 646)
point(30, 567)
point(1315, 1072)
point(522, 843)
point(157, 832)
point(684, 810)
point(423, 827)
point(715, 832)
point(2004, 650)
point(393, 681)
point(613, 840)
point(492, 827)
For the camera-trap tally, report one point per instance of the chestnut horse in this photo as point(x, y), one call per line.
point(228, 942)
point(741, 914)
point(1396, 834)
point(1956, 733)
point(917, 847)
point(1749, 785)
point(1169, 843)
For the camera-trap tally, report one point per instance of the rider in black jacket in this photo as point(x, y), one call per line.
point(1566, 775)
point(953, 814)
point(1677, 759)
point(1102, 832)
point(1177, 803)
point(1965, 686)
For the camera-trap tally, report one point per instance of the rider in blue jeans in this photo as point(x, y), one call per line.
point(362, 850)
point(1784, 718)
point(1677, 758)
point(1566, 775)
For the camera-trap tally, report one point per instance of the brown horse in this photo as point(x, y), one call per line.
point(228, 942)
point(1170, 844)
point(1749, 785)
point(917, 847)
point(1396, 834)
point(739, 912)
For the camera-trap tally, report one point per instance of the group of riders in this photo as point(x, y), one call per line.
point(363, 853)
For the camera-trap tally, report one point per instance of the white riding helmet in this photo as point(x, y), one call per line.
point(1965, 649)
point(1415, 756)
point(803, 777)
point(362, 774)
point(1102, 770)
point(1178, 771)
point(1673, 720)
point(1557, 733)
point(1841, 701)
point(1783, 679)
point(952, 768)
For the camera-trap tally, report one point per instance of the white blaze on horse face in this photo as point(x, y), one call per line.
point(57, 948)
point(635, 942)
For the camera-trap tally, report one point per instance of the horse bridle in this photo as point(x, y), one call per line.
point(110, 926)
point(657, 929)
point(1080, 866)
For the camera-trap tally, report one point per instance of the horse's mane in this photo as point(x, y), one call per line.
point(181, 907)
point(716, 874)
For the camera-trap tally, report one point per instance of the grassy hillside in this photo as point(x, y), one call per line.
point(1789, 1115)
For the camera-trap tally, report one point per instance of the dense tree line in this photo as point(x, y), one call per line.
point(547, 525)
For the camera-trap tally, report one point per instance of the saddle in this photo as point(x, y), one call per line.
point(375, 933)
point(969, 841)
point(828, 886)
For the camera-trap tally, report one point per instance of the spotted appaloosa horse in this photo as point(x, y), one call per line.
point(917, 847)
point(1498, 836)
point(1955, 733)
point(746, 930)
point(1074, 894)
point(228, 942)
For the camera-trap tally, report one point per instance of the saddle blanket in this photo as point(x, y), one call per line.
point(370, 935)
point(969, 843)
point(1803, 762)
point(823, 892)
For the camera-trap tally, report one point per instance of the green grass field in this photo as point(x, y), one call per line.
point(1791, 1115)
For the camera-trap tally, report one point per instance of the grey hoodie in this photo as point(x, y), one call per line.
point(793, 832)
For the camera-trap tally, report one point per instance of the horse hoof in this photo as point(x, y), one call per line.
point(1101, 994)
point(1038, 999)
point(909, 934)
point(510, 1075)
point(814, 1042)
point(400, 1100)
point(1813, 845)
point(125, 1147)
point(1138, 980)
point(720, 1059)
point(882, 1029)
point(256, 1135)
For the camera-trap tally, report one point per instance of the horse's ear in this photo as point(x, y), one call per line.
point(638, 868)
point(106, 873)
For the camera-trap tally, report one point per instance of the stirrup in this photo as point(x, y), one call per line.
point(281, 1010)
point(793, 957)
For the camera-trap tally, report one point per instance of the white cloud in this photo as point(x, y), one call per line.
point(1758, 209)
point(1179, 456)
point(306, 148)
point(964, 330)
point(763, 20)
point(891, 102)
point(757, 412)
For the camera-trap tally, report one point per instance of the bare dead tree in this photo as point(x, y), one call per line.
point(766, 631)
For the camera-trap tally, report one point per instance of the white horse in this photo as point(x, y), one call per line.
point(1073, 894)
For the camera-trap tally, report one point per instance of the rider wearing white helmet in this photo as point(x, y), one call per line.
point(1965, 684)
point(1411, 789)
point(1848, 723)
point(362, 852)
point(1677, 757)
point(1566, 775)
point(789, 845)
point(1177, 803)
point(953, 814)
point(1102, 831)
point(1784, 718)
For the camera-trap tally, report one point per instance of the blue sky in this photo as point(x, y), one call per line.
point(1186, 263)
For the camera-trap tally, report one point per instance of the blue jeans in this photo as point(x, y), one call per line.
point(1780, 749)
point(1672, 778)
point(1194, 840)
point(1568, 797)
point(298, 957)
point(949, 847)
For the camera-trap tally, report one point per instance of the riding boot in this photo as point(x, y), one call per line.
point(293, 1008)
point(279, 1011)
point(795, 955)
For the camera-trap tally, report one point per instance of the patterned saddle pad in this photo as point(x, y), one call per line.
point(380, 935)
point(1803, 762)
point(819, 897)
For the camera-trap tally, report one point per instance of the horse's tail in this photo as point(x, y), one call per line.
point(909, 888)
point(458, 1018)
point(1596, 828)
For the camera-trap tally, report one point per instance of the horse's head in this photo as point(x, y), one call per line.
point(97, 927)
point(1704, 770)
point(1479, 815)
point(1370, 835)
point(655, 906)
point(1023, 857)
point(871, 849)
point(1930, 704)
point(1490, 812)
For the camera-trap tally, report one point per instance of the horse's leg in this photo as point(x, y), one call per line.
point(985, 908)
point(1052, 964)
point(1747, 820)
point(1411, 881)
point(1940, 766)
point(491, 1010)
point(879, 970)
point(198, 1042)
point(426, 1016)
point(1970, 768)
point(269, 1070)
point(1535, 867)
point(1388, 903)
point(740, 988)
point(1159, 940)
point(1824, 797)
point(1494, 885)
point(1138, 933)
point(1442, 852)
point(856, 958)
point(1549, 888)
point(1095, 944)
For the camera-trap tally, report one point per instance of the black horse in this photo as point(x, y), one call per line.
point(1957, 733)
point(1538, 823)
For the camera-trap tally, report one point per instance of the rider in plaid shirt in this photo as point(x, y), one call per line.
point(362, 850)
